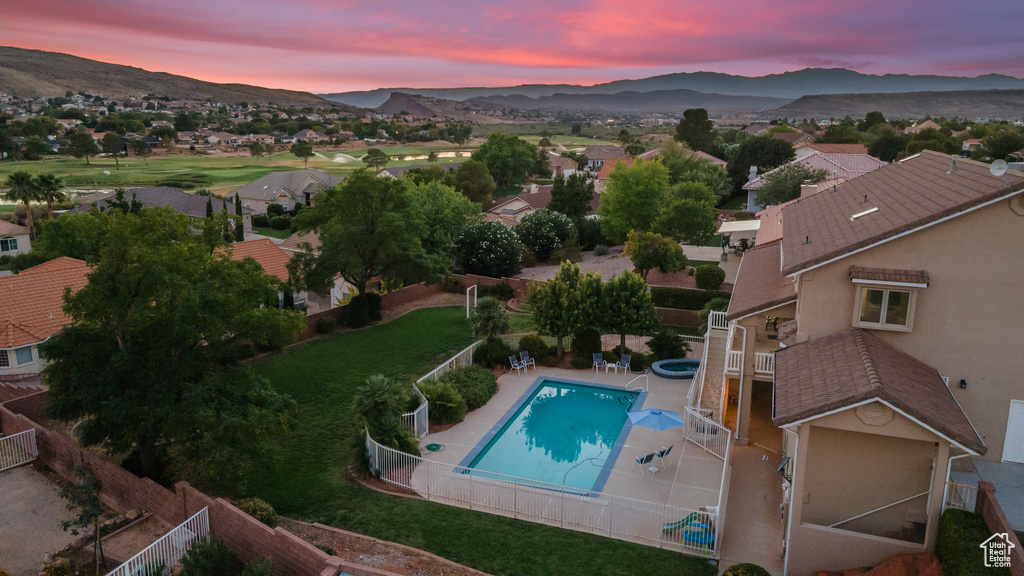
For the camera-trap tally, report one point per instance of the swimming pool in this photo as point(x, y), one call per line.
point(559, 432)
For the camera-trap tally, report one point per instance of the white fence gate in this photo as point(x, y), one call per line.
point(18, 449)
point(161, 557)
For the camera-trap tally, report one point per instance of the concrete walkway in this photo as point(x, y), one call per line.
point(1008, 478)
point(31, 511)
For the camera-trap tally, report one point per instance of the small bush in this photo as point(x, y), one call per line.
point(960, 534)
point(452, 285)
point(742, 215)
point(501, 291)
point(529, 258)
point(684, 298)
point(373, 305)
point(261, 221)
point(245, 348)
point(280, 222)
point(667, 344)
point(260, 567)
point(210, 558)
point(536, 346)
point(640, 362)
point(709, 277)
point(569, 251)
point(258, 509)
point(275, 210)
point(358, 311)
point(491, 354)
point(600, 250)
point(746, 569)
point(586, 341)
point(447, 406)
point(325, 325)
point(327, 549)
point(590, 234)
point(475, 384)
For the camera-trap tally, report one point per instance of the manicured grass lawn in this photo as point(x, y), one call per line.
point(310, 481)
point(715, 241)
point(519, 323)
point(282, 234)
point(696, 263)
point(9, 208)
point(735, 202)
point(504, 191)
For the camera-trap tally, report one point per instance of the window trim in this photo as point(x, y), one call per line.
point(886, 288)
point(31, 356)
point(12, 244)
point(5, 359)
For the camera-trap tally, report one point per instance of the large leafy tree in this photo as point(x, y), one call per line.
point(148, 360)
point(565, 304)
point(628, 308)
point(689, 218)
point(446, 213)
point(83, 145)
point(21, 188)
point(113, 144)
point(474, 181)
point(368, 227)
point(142, 149)
point(696, 129)
point(999, 145)
point(302, 150)
point(762, 152)
point(375, 159)
point(633, 200)
point(685, 166)
point(783, 184)
point(572, 196)
point(509, 159)
point(648, 251)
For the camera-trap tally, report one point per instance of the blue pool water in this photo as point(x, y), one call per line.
point(560, 433)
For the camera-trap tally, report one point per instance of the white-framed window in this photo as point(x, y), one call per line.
point(23, 355)
point(8, 244)
point(884, 308)
point(5, 360)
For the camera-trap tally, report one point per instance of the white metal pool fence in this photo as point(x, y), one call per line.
point(460, 360)
point(649, 523)
point(960, 496)
point(18, 449)
point(161, 557)
point(608, 341)
point(419, 419)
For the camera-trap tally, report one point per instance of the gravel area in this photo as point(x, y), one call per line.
point(614, 263)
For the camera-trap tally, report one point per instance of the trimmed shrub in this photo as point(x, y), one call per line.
point(667, 344)
point(536, 346)
point(325, 325)
point(280, 222)
point(358, 311)
point(261, 221)
point(746, 569)
point(275, 210)
point(529, 259)
point(490, 249)
point(210, 558)
point(684, 298)
point(475, 384)
point(373, 306)
point(709, 277)
point(960, 534)
point(543, 231)
point(491, 354)
point(260, 567)
point(570, 251)
point(585, 344)
point(600, 250)
point(447, 406)
point(501, 291)
point(640, 362)
point(258, 509)
point(590, 233)
point(245, 348)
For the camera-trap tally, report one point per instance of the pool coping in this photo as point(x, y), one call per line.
point(613, 455)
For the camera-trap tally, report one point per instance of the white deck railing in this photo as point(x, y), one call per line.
point(764, 362)
point(707, 433)
point(733, 360)
point(673, 527)
point(960, 497)
point(162, 556)
point(692, 339)
point(18, 449)
point(716, 320)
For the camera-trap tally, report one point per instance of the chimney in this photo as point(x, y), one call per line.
point(534, 188)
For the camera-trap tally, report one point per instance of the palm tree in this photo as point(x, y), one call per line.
point(489, 320)
point(49, 188)
point(23, 189)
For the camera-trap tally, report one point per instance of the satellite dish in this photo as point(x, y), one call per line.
point(998, 168)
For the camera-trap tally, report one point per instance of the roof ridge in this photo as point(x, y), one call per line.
point(865, 356)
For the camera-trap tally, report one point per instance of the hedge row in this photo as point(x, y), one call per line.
point(957, 547)
point(684, 298)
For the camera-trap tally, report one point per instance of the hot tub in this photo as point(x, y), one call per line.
point(676, 368)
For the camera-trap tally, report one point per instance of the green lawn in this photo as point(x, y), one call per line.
point(267, 231)
point(9, 208)
point(519, 323)
point(310, 481)
point(696, 263)
point(735, 202)
point(503, 191)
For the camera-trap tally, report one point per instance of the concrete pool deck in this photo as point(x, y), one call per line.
point(689, 477)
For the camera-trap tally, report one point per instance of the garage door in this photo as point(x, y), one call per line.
point(1013, 447)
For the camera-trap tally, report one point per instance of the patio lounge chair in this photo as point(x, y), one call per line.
point(644, 461)
point(599, 362)
point(527, 361)
point(622, 363)
point(516, 364)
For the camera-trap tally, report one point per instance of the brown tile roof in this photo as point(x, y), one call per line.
point(889, 275)
point(31, 303)
point(760, 284)
point(11, 229)
point(787, 333)
point(565, 163)
point(852, 366)
point(272, 259)
point(292, 242)
point(908, 195)
point(603, 152)
point(835, 148)
point(793, 137)
point(609, 165)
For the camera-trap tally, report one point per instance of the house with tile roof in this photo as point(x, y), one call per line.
point(288, 188)
point(31, 310)
point(876, 340)
point(838, 166)
point(14, 239)
point(164, 196)
point(794, 138)
point(926, 125)
point(605, 173)
point(597, 155)
point(804, 149)
point(561, 166)
point(274, 259)
point(511, 209)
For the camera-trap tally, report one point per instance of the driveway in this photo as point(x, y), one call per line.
point(30, 521)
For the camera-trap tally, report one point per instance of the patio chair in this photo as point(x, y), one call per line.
point(527, 361)
point(516, 364)
point(622, 363)
point(644, 461)
point(599, 362)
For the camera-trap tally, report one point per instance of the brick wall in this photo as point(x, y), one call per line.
point(677, 317)
point(996, 520)
point(519, 285)
point(339, 314)
point(11, 391)
point(408, 294)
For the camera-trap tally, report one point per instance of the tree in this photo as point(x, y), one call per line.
point(565, 304)
point(579, 158)
point(688, 220)
point(142, 149)
point(783, 184)
point(841, 134)
point(474, 182)
point(255, 149)
point(375, 158)
point(628, 308)
point(871, 119)
point(489, 319)
point(999, 145)
point(648, 251)
point(572, 196)
point(83, 145)
point(368, 227)
point(239, 222)
point(432, 157)
point(543, 231)
point(696, 129)
point(635, 148)
point(888, 144)
point(686, 166)
point(458, 132)
point(720, 304)
point(83, 500)
point(148, 362)
point(48, 187)
point(762, 152)
point(932, 139)
point(446, 213)
point(21, 188)
point(36, 148)
point(576, 129)
point(624, 137)
point(378, 405)
point(489, 249)
point(302, 150)
point(113, 144)
point(633, 199)
point(508, 158)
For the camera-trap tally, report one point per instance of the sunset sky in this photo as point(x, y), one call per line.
point(333, 46)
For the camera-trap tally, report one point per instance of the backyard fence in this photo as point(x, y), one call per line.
point(649, 523)
point(18, 449)
point(419, 419)
point(960, 497)
point(460, 360)
point(162, 556)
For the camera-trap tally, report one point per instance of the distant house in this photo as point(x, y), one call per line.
point(597, 155)
point(265, 139)
point(162, 124)
point(805, 149)
point(794, 138)
point(190, 204)
point(289, 189)
point(68, 123)
point(282, 137)
point(922, 126)
point(757, 129)
point(396, 172)
point(223, 139)
point(14, 239)
point(31, 311)
point(563, 167)
point(186, 138)
point(656, 153)
point(838, 166)
point(308, 135)
point(341, 291)
point(604, 174)
point(511, 209)
point(971, 145)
